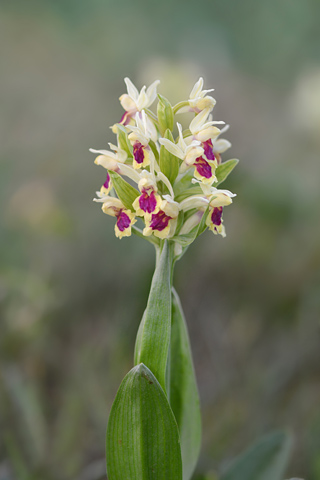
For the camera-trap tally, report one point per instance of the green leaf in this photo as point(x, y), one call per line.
point(267, 459)
point(202, 225)
point(169, 164)
point(188, 192)
point(184, 397)
point(165, 114)
point(180, 221)
point(142, 434)
point(187, 238)
point(183, 183)
point(154, 149)
point(224, 169)
point(152, 116)
point(126, 193)
point(154, 336)
point(21, 469)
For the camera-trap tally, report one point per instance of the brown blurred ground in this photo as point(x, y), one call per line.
point(71, 295)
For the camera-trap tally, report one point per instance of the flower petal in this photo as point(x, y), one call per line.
point(221, 145)
point(152, 92)
point(132, 90)
point(196, 88)
point(198, 121)
point(172, 147)
point(195, 201)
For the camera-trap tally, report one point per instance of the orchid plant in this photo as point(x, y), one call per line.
point(162, 185)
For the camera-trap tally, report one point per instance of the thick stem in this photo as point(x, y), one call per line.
point(153, 339)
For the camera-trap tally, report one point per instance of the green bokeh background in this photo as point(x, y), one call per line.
point(72, 295)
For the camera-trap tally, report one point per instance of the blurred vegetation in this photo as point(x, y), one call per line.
point(71, 295)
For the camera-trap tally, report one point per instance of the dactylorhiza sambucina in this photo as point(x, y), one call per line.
point(166, 179)
point(175, 171)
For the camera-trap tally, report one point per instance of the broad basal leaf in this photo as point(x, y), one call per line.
point(142, 435)
point(154, 333)
point(184, 398)
point(267, 459)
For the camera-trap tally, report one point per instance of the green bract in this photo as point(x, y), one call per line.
point(225, 169)
point(169, 164)
point(165, 114)
point(126, 193)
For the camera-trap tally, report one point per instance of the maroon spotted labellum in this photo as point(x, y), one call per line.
point(217, 215)
point(147, 202)
point(138, 152)
point(203, 167)
point(208, 149)
point(123, 221)
point(159, 221)
point(107, 182)
point(125, 119)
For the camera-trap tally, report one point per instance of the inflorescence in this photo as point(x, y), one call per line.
point(175, 180)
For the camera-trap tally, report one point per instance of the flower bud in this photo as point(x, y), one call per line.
point(165, 114)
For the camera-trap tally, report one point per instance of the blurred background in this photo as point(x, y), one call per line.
point(72, 295)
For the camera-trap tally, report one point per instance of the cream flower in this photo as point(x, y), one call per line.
point(215, 146)
point(187, 153)
point(110, 159)
point(139, 139)
point(216, 195)
point(133, 101)
point(214, 221)
point(218, 200)
point(114, 161)
point(163, 223)
point(125, 218)
point(149, 201)
point(142, 131)
point(192, 155)
point(106, 187)
point(202, 128)
point(198, 99)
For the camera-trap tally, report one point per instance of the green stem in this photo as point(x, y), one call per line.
point(153, 339)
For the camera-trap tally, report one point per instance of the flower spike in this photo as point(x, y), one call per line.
point(173, 179)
